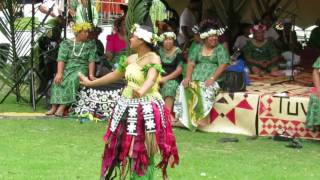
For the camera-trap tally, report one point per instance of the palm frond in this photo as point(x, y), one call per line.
point(138, 12)
point(16, 41)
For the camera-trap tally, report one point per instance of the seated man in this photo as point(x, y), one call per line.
point(260, 53)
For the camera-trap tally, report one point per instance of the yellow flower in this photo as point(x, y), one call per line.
point(76, 28)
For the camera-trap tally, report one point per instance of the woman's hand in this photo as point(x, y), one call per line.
point(84, 80)
point(209, 82)
point(57, 79)
point(136, 93)
point(163, 80)
point(91, 77)
point(185, 82)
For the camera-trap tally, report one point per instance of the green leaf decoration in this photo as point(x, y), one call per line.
point(158, 67)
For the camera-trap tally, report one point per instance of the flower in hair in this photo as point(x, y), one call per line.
point(78, 27)
point(258, 28)
point(134, 28)
point(209, 33)
point(165, 35)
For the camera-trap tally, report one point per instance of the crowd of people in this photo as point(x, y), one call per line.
point(174, 75)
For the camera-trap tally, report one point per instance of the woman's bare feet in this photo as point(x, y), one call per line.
point(52, 111)
point(60, 111)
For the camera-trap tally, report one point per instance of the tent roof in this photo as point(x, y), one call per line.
point(306, 12)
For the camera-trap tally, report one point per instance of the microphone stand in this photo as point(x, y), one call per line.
point(292, 30)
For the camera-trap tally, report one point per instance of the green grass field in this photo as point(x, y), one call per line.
point(65, 149)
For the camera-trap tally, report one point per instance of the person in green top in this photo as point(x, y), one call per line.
point(82, 13)
point(205, 67)
point(313, 114)
point(260, 53)
point(77, 55)
point(171, 59)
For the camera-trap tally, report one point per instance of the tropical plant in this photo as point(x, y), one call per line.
point(14, 46)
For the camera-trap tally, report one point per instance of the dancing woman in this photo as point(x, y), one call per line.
point(140, 125)
point(77, 55)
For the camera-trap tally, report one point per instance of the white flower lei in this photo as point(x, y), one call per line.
point(209, 33)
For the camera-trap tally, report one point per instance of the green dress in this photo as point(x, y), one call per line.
point(194, 102)
point(313, 115)
point(170, 64)
point(206, 66)
point(76, 60)
point(266, 52)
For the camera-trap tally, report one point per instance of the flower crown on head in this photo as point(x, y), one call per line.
point(209, 33)
point(258, 28)
point(78, 27)
point(165, 35)
point(145, 35)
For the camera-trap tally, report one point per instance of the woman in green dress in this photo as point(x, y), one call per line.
point(260, 53)
point(77, 55)
point(313, 115)
point(171, 59)
point(205, 67)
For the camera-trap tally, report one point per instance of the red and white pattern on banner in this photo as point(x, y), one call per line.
point(284, 114)
point(234, 113)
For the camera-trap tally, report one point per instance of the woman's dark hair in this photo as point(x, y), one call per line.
point(118, 22)
point(208, 24)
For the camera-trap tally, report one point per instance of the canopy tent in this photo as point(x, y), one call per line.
point(306, 11)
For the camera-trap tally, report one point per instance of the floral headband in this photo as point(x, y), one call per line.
point(209, 33)
point(258, 28)
point(78, 27)
point(165, 35)
point(147, 36)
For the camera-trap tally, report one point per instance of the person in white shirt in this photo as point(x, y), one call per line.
point(243, 37)
point(271, 33)
point(188, 19)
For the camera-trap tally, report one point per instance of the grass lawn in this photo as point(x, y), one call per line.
point(66, 149)
point(10, 104)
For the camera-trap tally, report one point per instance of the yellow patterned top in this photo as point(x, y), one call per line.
point(135, 75)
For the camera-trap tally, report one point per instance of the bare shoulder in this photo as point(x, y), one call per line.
point(132, 58)
point(154, 59)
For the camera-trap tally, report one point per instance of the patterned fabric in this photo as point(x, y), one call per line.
point(265, 52)
point(194, 103)
point(66, 92)
point(96, 102)
point(313, 115)
point(169, 89)
point(206, 66)
point(138, 129)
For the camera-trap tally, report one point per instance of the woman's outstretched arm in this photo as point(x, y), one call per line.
point(104, 80)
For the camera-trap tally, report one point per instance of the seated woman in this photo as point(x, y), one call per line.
point(172, 59)
point(77, 55)
point(313, 115)
point(116, 43)
point(260, 53)
point(204, 69)
point(140, 125)
point(98, 102)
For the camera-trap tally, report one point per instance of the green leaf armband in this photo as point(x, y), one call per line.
point(158, 67)
point(122, 63)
